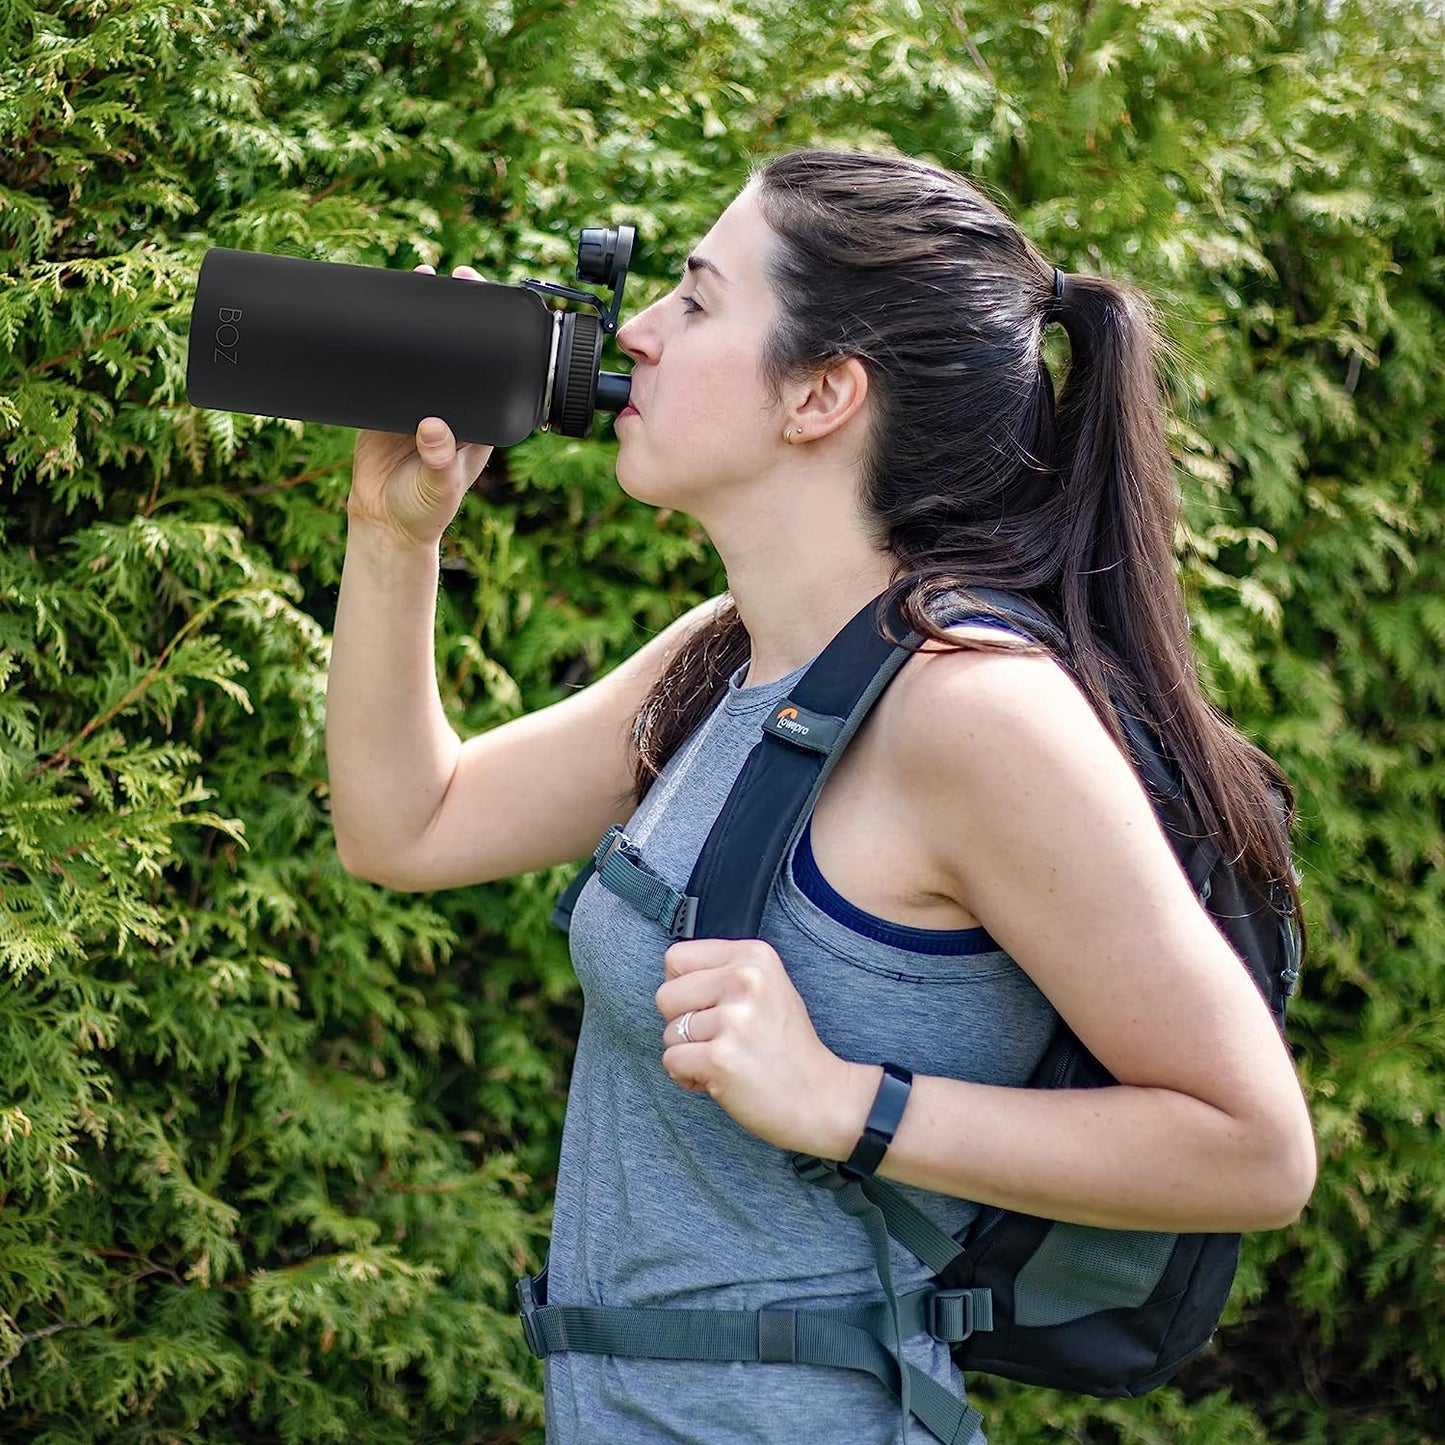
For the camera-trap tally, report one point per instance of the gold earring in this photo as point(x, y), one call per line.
point(793, 431)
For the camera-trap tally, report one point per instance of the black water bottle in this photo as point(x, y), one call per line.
point(367, 347)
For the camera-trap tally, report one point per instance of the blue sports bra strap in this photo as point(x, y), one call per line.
point(1009, 607)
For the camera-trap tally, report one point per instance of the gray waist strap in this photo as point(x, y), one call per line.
point(849, 1339)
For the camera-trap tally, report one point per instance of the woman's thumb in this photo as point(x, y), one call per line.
point(435, 443)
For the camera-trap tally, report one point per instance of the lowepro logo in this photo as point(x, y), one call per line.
point(227, 334)
point(787, 720)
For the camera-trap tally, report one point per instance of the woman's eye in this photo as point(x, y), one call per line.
point(690, 307)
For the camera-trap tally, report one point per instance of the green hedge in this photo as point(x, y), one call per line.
point(273, 1142)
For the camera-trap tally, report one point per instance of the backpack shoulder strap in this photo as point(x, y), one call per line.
point(567, 899)
point(802, 739)
point(983, 603)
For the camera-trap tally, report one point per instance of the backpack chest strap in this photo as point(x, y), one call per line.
point(622, 871)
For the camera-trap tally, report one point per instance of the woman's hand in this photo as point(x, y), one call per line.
point(413, 486)
point(754, 1050)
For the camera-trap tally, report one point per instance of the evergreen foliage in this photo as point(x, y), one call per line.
point(273, 1142)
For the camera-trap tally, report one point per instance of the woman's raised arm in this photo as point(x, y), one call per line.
point(414, 807)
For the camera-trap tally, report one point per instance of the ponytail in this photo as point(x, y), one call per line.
point(1121, 602)
point(1116, 480)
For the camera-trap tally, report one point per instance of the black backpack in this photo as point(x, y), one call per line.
point(1096, 1311)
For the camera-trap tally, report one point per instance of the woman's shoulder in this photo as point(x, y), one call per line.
point(1003, 737)
point(998, 693)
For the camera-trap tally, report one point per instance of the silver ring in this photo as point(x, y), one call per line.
point(682, 1026)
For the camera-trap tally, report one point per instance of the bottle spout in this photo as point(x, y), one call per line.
point(613, 389)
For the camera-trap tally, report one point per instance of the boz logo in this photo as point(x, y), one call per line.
point(787, 720)
point(227, 334)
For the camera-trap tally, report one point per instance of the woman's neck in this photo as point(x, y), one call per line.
point(795, 587)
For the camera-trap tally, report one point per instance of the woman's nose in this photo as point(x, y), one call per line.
point(638, 336)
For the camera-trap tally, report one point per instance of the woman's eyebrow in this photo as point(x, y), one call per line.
point(701, 263)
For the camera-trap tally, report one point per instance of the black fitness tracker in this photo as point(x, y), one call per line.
point(883, 1120)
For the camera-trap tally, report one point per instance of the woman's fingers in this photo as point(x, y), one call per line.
point(466, 273)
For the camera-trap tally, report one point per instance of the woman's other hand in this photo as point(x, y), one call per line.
point(750, 1044)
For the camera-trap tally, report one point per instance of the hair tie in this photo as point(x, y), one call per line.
point(1055, 308)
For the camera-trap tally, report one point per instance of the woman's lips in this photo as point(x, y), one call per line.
point(628, 410)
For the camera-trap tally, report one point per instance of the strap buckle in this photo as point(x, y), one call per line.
point(614, 841)
point(952, 1315)
point(684, 921)
point(527, 1294)
point(818, 1171)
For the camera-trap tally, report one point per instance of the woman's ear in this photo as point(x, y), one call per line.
point(832, 400)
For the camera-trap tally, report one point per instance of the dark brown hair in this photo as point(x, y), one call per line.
point(974, 477)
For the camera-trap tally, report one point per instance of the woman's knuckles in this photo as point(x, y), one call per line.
point(747, 981)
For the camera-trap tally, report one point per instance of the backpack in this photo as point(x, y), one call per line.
point(1096, 1311)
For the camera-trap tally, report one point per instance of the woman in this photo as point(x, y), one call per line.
point(848, 390)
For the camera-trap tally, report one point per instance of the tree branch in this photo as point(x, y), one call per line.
point(77, 351)
point(297, 481)
point(62, 756)
point(1076, 45)
point(30, 1339)
point(961, 25)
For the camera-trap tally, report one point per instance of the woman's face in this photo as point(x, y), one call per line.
point(701, 419)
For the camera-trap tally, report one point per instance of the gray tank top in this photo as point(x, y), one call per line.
point(662, 1200)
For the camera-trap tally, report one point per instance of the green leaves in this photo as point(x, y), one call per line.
point(273, 1142)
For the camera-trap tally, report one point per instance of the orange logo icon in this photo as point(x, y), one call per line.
point(787, 712)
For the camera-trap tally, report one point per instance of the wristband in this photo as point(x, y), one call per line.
point(883, 1120)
